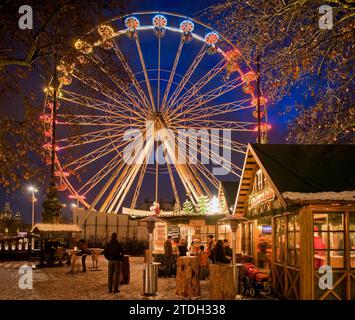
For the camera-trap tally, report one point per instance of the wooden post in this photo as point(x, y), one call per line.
point(306, 254)
point(187, 277)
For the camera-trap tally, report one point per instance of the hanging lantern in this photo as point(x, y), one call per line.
point(48, 146)
point(81, 59)
point(187, 27)
point(159, 21)
point(132, 23)
point(248, 89)
point(105, 32)
point(83, 47)
point(264, 127)
point(61, 174)
point(262, 101)
point(211, 38)
point(65, 80)
point(108, 44)
point(249, 76)
point(255, 114)
point(232, 55)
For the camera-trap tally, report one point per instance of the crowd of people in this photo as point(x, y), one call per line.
point(215, 252)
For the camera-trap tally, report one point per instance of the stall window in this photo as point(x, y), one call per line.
point(248, 239)
point(280, 239)
point(352, 239)
point(328, 240)
point(293, 240)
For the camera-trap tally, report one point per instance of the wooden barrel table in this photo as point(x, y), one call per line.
point(187, 277)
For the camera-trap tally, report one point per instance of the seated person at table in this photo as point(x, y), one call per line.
point(84, 251)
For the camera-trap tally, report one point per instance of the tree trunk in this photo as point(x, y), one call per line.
point(187, 277)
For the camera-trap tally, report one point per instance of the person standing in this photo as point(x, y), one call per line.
point(182, 246)
point(114, 254)
point(210, 246)
point(84, 252)
point(168, 256)
point(203, 263)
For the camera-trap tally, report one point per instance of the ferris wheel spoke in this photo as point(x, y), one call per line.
point(210, 154)
point(159, 53)
point(94, 155)
point(107, 92)
point(138, 187)
point(144, 68)
point(89, 138)
point(125, 90)
point(196, 88)
point(210, 177)
point(172, 181)
point(99, 105)
point(100, 175)
point(220, 124)
point(210, 95)
point(186, 77)
point(126, 185)
point(172, 74)
point(131, 75)
point(186, 175)
point(215, 110)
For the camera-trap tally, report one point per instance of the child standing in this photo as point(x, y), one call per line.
point(203, 263)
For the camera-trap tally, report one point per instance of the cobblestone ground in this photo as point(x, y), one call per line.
point(59, 283)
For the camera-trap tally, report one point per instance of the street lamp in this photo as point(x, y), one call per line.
point(150, 272)
point(33, 190)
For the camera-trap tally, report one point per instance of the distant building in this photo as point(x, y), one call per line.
point(10, 222)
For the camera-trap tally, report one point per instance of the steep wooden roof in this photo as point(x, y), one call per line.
point(301, 169)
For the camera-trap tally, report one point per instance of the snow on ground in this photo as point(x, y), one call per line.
point(58, 283)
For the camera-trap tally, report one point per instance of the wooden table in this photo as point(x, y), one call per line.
point(95, 252)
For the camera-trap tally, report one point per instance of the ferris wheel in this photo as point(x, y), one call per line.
point(148, 72)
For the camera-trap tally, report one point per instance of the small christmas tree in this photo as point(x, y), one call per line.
point(203, 205)
point(187, 207)
point(214, 205)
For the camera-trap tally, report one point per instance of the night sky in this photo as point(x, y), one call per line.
point(20, 199)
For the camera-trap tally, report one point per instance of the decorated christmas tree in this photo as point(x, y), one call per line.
point(203, 205)
point(187, 207)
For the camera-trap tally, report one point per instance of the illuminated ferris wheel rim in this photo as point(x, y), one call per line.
point(167, 27)
point(147, 27)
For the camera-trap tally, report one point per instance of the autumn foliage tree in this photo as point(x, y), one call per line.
point(299, 57)
point(26, 65)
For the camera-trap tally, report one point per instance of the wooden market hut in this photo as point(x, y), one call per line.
point(227, 193)
point(307, 194)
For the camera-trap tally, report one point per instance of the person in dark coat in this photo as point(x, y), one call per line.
point(182, 247)
point(84, 252)
point(218, 254)
point(168, 256)
point(114, 254)
point(228, 249)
